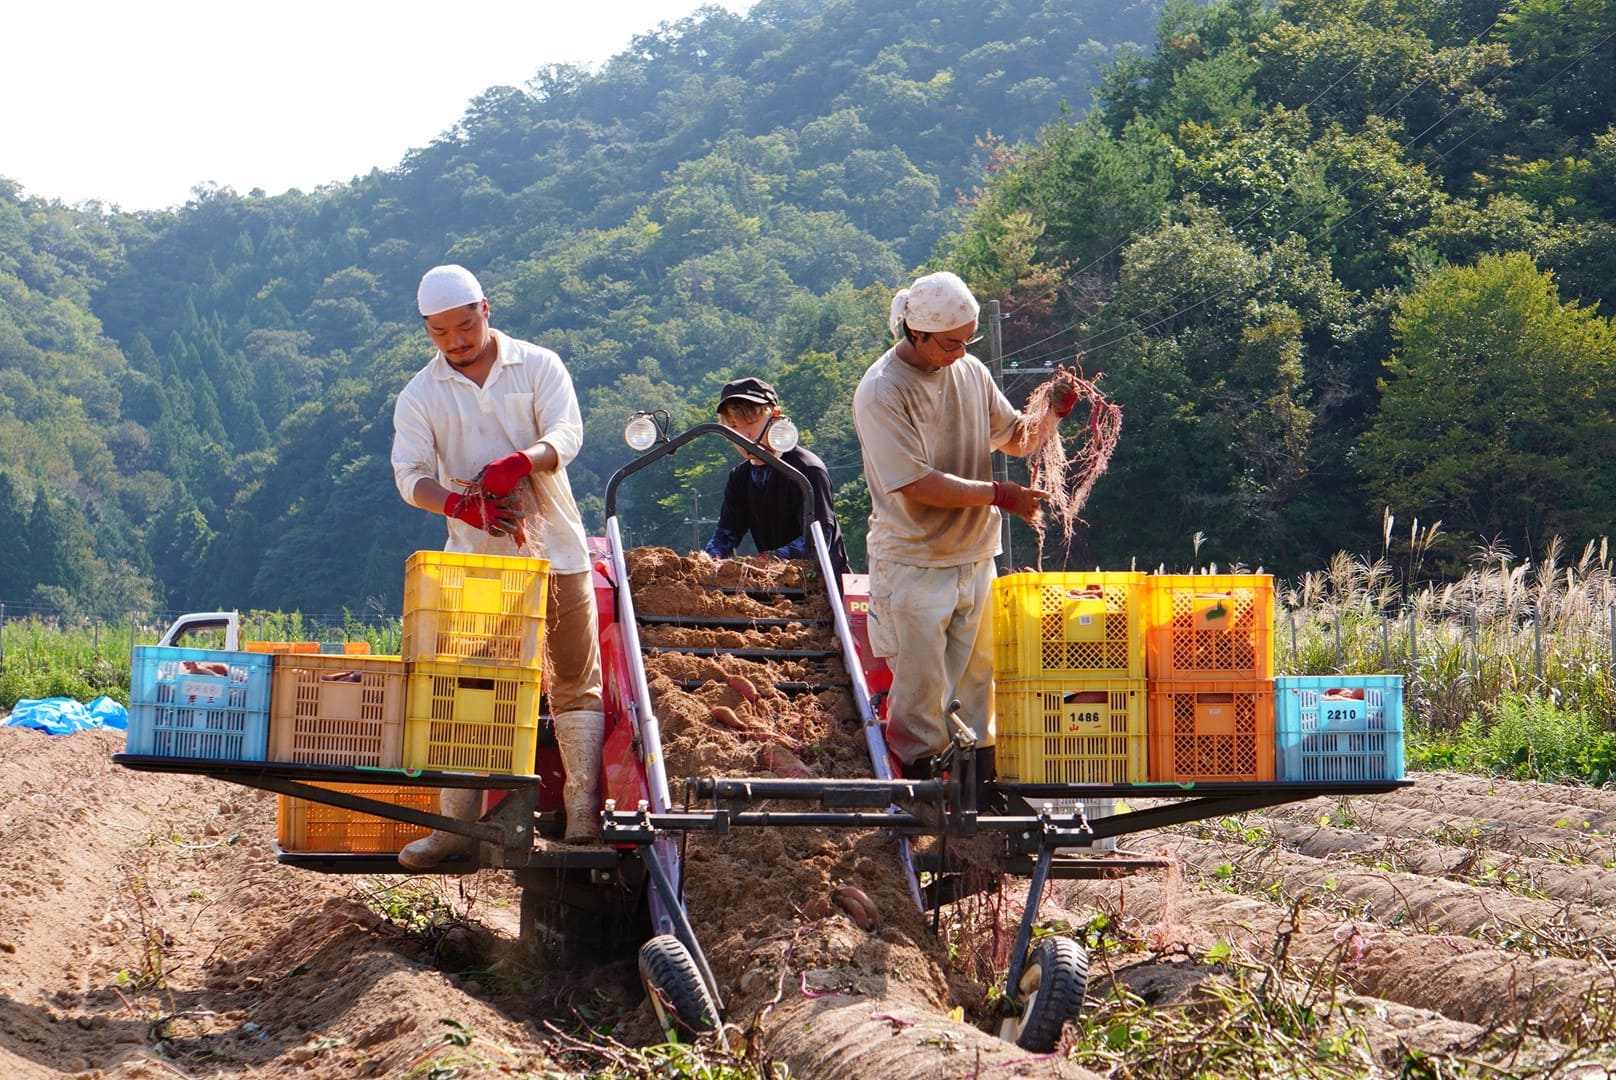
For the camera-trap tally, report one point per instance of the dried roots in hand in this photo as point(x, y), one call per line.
point(1068, 473)
point(520, 501)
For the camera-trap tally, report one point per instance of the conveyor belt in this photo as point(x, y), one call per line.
point(726, 621)
point(707, 652)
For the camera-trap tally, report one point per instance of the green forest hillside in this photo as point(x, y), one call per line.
point(1329, 259)
point(1344, 266)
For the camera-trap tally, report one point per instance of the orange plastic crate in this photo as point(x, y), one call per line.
point(468, 718)
point(1205, 731)
point(485, 609)
point(1059, 624)
point(1071, 731)
point(305, 825)
point(1209, 626)
point(279, 648)
point(337, 710)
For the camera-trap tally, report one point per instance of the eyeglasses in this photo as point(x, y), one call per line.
point(951, 344)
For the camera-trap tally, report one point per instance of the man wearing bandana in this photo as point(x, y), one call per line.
point(929, 417)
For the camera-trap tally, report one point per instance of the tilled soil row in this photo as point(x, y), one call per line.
point(1584, 884)
point(1438, 785)
point(1408, 934)
point(1402, 992)
point(1557, 833)
point(1538, 818)
point(147, 931)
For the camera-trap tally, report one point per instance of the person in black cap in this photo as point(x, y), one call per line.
point(762, 501)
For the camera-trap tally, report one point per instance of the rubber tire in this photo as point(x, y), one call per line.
point(674, 986)
point(1051, 993)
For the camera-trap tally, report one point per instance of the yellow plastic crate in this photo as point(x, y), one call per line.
point(470, 718)
point(486, 609)
point(1066, 731)
point(337, 710)
point(1069, 624)
point(1209, 626)
point(1206, 731)
point(307, 826)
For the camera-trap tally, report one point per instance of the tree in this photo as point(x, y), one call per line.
point(1218, 352)
point(16, 581)
point(1496, 415)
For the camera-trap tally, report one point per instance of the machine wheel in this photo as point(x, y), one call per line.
point(1050, 993)
point(675, 988)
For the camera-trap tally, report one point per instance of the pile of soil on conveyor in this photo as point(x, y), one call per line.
point(762, 900)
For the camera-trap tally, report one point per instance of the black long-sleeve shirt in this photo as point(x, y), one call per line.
point(768, 504)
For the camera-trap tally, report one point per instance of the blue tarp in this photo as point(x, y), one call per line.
point(64, 716)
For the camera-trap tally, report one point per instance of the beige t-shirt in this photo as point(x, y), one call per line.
point(911, 422)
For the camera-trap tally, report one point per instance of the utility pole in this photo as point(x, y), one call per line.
point(1001, 466)
point(696, 521)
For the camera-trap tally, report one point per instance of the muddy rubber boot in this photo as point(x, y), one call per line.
point(463, 804)
point(579, 733)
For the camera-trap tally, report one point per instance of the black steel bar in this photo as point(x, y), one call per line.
point(681, 921)
point(1029, 918)
point(1292, 789)
point(235, 771)
point(516, 833)
point(756, 449)
point(727, 788)
point(763, 592)
point(1157, 817)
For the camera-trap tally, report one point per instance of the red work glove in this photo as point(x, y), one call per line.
point(484, 514)
point(1020, 501)
point(500, 477)
point(1063, 395)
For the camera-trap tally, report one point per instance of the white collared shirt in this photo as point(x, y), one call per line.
point(447, 427)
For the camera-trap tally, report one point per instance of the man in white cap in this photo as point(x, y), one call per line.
point(929, 417)
point(490, 406)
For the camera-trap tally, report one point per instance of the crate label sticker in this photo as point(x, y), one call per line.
point(202, 691)
point(1080, 720)
point(1211, 612)
point(1341, 712)
point(481, 595)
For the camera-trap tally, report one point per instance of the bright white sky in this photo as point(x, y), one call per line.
point(135, 104)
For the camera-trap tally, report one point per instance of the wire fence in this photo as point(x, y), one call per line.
point(32, 628)
point(1460, 651)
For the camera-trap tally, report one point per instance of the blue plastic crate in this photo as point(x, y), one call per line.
point(199, 703)
point(1339, 727)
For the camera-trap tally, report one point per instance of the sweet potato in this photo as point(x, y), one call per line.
point(859, 907)
point(783, 763)
point(726, 716)
point(743, 686)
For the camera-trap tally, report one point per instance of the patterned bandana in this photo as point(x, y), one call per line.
point(939, 301)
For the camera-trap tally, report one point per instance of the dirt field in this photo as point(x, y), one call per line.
point(147, 931)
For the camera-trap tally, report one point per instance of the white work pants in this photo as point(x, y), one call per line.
point(934, 627)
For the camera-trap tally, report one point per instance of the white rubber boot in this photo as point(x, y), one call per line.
point(463, 804)
point(580, 733)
